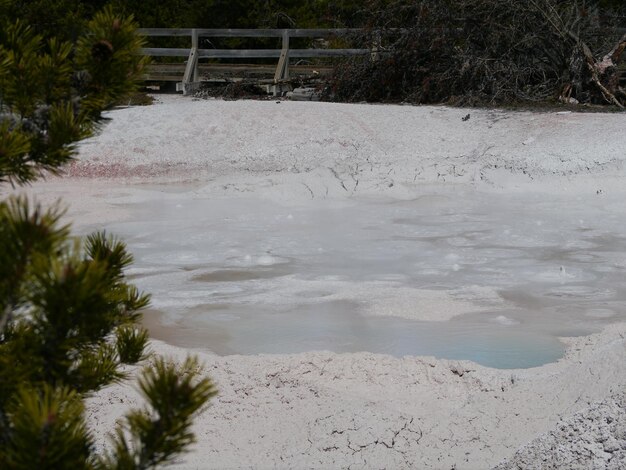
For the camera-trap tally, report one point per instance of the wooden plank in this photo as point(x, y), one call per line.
point(175, 72)
point(252, 53)
point(275, 53)
point(282, 70)
point(266, 69)
point(190, 79)
point(278, 33)
point(161, 78)
point(190, 69)
point(194, 47)
point(154, 32)
point(213, 53)
point(166, 68)
point(248, 33)
point(165, 52)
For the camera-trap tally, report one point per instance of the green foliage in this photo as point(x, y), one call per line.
point(131, 343)
point(25, 234)
point(52, 92)
point(233, 13)
point(69, 321)
point(66, 301)
point(108, 57)
point(36, 126)
point(153, 437)
point(48, 431)
point(68, 316)
point(155, 13)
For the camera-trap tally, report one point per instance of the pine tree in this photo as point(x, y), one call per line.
point(68, 316)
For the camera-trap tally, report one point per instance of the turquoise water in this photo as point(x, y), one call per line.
point(337, 326)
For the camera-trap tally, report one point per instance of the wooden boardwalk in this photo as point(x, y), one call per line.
point(277, 78)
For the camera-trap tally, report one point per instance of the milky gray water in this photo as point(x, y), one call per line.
point(249, 276)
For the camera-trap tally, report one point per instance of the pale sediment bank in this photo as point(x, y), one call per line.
point(363, 410)
point(326, 410)
point(594, 437)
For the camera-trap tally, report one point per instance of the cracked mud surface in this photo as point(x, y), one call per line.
point(325, 410)
point(594, 438)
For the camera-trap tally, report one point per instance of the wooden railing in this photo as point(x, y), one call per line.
point(191, 77)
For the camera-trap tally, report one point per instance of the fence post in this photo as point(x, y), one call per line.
point(194, 45)
point(282, 70)
point(190, 79)
point(376, 46)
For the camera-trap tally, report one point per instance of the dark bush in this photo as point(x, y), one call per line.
point(484, 51)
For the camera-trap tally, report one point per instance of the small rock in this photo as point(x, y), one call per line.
point(458, 370)
point(618, 461)
point(620, 432)
point(611, 445)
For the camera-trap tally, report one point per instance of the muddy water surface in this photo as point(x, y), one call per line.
point(248, 276)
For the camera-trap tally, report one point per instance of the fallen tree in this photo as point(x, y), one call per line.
point(487, 51)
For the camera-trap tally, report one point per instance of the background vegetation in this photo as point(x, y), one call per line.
point(67, 17)
point(489, 51)
point(69, 320)
point(456, 51)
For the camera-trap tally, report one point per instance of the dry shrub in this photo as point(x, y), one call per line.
point(484, 51)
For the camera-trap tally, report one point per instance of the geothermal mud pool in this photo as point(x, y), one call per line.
point(393, 229)
point(454, 273)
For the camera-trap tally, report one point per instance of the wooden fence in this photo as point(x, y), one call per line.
point(191, 71)
point(191, 77)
